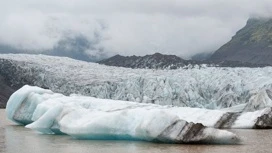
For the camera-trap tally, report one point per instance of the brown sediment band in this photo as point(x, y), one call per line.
point(189, 133)
point(227, 120)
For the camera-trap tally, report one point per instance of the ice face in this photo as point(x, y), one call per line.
point(207, 87)
point(91, 118)
point(21, 98)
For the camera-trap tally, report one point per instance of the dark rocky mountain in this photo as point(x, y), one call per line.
point(252, 44)
point(250, 47)
point(155, 61)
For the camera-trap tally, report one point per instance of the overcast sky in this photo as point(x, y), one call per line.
point(127, 27)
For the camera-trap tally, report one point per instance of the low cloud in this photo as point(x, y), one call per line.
point(181, 27)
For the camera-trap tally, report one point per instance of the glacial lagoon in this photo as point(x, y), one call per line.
point(17, 139)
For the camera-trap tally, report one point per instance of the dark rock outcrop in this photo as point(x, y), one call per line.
point(8, 85)
point(5, 91)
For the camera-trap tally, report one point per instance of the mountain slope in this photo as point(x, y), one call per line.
point(252, 44)
point(155, 61)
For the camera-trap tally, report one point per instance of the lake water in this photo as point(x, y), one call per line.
point(17, 139)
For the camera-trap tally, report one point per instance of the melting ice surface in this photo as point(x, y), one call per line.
point(91, 118)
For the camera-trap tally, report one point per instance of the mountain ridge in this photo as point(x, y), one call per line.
point(154, 61)
point(162, 61)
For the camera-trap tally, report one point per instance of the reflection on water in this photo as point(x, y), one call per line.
point(17, 139)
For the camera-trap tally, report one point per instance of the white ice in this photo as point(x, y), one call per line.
point(92, 118)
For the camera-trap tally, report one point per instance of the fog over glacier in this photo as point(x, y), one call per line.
point(139, 27)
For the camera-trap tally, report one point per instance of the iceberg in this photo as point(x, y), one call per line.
point(92, 118)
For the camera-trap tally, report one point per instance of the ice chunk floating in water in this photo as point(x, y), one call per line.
point(92, 118)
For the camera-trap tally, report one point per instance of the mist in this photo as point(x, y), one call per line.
point(101, 28)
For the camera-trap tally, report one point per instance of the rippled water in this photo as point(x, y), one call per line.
point(17, 139)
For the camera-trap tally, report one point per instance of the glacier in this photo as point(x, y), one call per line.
point(201, 87)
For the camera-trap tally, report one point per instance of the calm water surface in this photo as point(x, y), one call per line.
point(17, 139)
